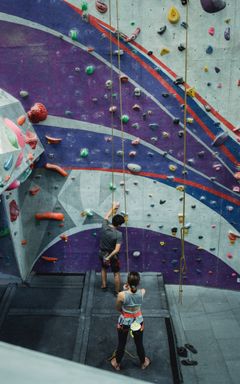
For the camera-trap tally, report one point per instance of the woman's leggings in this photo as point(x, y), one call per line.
point(122, 339)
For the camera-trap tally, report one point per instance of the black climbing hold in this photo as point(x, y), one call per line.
point(176, 120)
point(180, 133)
point(209, 50)
point(217, 70)
point(207, 108)
point(181, 47)
point(162, 202)
point(150, 53)
point(184, 2)
point(209, 84)
point(212, 249)
point(184, 25)
point(153, 126)
point(174, 229)
point(162, 30)
point(144, 116)
point(193, 206)
point(201, 154)
point(212, 6)
point(200, 237)
point(178, 80)
point(165, 95)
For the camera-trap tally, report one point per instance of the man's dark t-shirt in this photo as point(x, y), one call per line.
point(109, 237)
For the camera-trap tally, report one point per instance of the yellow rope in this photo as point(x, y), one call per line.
point(183, 266)
point(122, 134)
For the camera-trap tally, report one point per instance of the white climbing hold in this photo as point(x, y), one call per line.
point(134, 167)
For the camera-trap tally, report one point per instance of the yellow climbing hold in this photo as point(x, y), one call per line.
point(191, 92)
point(172, 167)
point(190, 120)
point(173, 15)
point(205, 68)
point(164, 51)
point(162, 243)
point(180, 188)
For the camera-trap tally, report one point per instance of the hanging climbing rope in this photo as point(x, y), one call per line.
point(183, 266)
point(122, 134)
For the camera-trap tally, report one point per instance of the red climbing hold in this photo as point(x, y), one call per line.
point(101, 6)
point(14, 210)
point(37, 113)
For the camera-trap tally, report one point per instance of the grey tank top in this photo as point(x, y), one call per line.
point(132, 300)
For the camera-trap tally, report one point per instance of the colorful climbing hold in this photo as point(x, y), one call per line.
point(162, 30)
point(135, 168)
point(14, 210)
point(173, 15)
point(8, 163)
point(84, 152)
point(227, 34)
point(37, 113)
point(209, 50)
point(90, 69)
point(125, 119)
point(101, 6)
point(212, 6)
point(211, 31)
point(164, 51)
point(73, 33)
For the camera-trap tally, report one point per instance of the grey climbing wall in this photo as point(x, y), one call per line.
point(98, 87)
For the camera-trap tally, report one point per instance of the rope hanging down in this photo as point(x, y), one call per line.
point(112, 125)
point(182, 262)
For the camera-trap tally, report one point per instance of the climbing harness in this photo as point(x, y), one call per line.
point(182, 266)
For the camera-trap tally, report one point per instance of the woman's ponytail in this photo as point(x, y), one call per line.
point(133, 281)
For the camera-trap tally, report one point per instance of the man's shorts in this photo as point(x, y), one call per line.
point(114, 262)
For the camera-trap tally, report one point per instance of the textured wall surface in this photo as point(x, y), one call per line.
point(64, 55)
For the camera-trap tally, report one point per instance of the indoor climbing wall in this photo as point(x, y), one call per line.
point(109, 79)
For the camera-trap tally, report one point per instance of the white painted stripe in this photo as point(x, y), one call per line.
point(62, 122)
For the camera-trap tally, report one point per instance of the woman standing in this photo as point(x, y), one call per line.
point(129, 303)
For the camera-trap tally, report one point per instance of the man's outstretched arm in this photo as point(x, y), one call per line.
point(112, 210)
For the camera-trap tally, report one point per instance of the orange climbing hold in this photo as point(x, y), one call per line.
point(56, 168)
point(53, 140)
point(21, 120)
point(64, 237)
point(34, 190)
point(50, 216)
point(173, 15)
point(50, 259)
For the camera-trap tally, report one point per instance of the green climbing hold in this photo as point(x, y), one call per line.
point(73, 33)
point(4, 232)
point(90, 70)
point(125, 118)
point(84, 152)
point(12, 138)
point(84, 6)
point(112, 187)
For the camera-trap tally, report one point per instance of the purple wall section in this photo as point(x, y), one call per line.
point(202, 268)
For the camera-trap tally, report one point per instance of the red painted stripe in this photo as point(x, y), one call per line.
point(163, 177)
point(95, 22)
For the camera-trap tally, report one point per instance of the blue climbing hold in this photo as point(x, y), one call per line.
point(209, 50)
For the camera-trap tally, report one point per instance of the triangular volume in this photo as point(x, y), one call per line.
point(93, 219)
point(212, 6)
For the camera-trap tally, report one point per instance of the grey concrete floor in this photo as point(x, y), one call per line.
point(209, 319)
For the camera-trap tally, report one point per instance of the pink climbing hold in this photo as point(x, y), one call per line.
point(229, 255)
point(101, 6)
point(37, 113)
point(19, 160)
point(31, 139)
point(211, 31)
point(133, 35)
point(14, 185)
point(15, 129)
point(237, 175)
